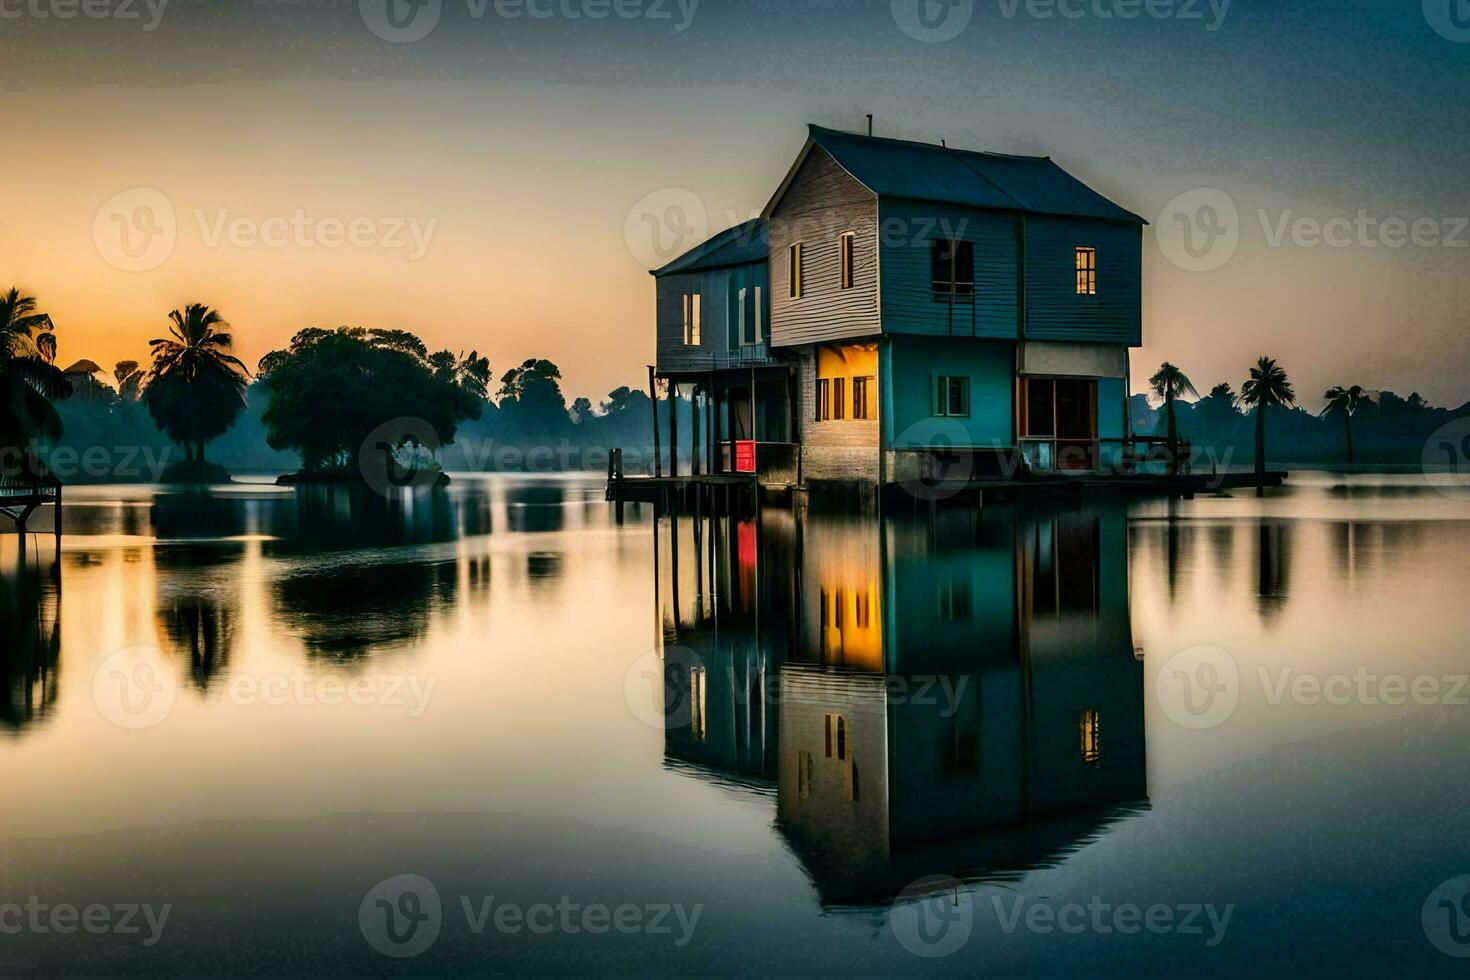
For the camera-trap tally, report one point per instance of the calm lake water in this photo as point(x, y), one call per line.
point(1207, 736)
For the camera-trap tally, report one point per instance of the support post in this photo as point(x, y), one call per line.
point(673, 427)
point(694, 432)
point(658, 461)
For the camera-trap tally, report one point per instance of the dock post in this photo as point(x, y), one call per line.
point(658, 461)
point(57, 518)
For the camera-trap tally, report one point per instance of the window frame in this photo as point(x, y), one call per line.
point(846, 259)
point(794, 269)
point(693, 314)
point(824, 405)
point(943, 388)
point(952, 288)
point(1086, 267)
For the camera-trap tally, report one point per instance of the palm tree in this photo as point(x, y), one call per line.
point(1347, 401)
point(129, 379)
point(196, 387)
point(1268, 385)
point(1170, 383)
point(29, 382)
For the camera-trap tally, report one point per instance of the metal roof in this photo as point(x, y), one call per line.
point(743, 244)
point(928, 172)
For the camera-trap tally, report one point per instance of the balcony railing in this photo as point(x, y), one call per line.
point(701, 359)
point(1135, 455)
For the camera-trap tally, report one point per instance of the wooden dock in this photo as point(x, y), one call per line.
point(22, 494)
point(674, 490)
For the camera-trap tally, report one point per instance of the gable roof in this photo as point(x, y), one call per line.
point(743, 244)
point(926, 172)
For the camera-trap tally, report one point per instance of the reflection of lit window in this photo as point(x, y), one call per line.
point(1091, 749)
point(804, 775)
point(697, 703)
point(835, 729)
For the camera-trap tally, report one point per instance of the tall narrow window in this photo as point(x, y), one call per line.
point(824, 401)
point(862, 398)
point(839, 398)
point(1091, 730)
point(760, 314)
point(952, 265)
point(750, 323)
point(691, 319)
point(1086, 271)
point(847, 243)
point(795, 270)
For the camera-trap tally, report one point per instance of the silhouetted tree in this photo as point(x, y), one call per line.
point(1268, 385)
point(1347, 401)
point(29, 381)
point(196, 387)
point(129, 377)
point(1170, 383)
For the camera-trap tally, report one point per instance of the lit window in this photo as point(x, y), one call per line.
point(952, 397)
point(1086, 271)
point(691, 319)
point(795, 270)
point(953, 268)
point(1091, 749)
point(824, 402)
point(839, 398)
point(847, 241)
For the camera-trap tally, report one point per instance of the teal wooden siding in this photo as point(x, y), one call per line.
point(1054, 310)
point(905, 230)
point(912, 368)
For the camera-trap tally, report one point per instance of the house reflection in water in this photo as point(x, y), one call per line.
point(946, 693)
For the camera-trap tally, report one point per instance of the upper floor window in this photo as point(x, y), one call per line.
point(795, 270)
point(752, 315)
point(952, 396)
point(691, 319)
point(953, 267)
point(847, 244)
point(1086, 271)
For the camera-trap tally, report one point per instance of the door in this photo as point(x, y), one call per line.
point(1076, 424)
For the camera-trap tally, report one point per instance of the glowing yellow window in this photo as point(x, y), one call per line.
point(1086, 271)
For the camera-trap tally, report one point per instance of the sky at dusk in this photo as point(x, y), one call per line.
point(486, 185)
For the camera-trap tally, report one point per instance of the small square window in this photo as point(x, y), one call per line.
point(952, 397)
point(952, 268)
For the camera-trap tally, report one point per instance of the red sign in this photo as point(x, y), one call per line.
point(745, 456)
